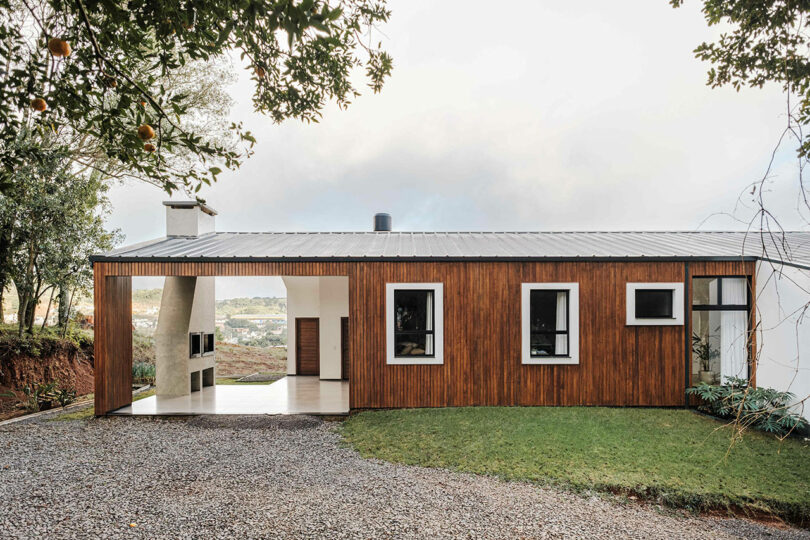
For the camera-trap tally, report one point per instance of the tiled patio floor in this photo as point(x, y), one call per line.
point(290, 395)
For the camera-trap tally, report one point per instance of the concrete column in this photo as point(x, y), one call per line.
point(171, 337)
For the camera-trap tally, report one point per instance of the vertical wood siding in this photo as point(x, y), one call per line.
point(619, 364)
point(113, 342)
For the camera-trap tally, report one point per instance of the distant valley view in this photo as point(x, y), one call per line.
point(251, 333)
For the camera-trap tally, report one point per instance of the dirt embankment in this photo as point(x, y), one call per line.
point(44, 361)
point(243, 360)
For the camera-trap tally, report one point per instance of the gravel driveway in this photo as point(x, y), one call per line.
point(264, 477)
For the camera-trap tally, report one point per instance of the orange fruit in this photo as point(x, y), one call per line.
point(145, 132)
point(39, 104)
point(59, 47)
point(149, 147)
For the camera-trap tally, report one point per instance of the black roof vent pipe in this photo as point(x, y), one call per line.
point(382, 222)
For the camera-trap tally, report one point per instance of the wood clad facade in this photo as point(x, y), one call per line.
point(618, 365)
point(113, 342)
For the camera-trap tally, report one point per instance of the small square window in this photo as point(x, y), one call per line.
point(654, 303)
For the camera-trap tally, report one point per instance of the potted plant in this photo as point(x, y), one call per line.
point(704, 351)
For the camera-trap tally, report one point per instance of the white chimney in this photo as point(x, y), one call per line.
point(188, 218)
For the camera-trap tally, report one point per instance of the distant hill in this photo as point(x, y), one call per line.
point(147, 296)
point(236, 306)
point(233, 306)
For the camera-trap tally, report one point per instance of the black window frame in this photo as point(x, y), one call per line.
point(191, 353)
point(554, 333)
point(720, 306)
point(416, 332)
point(655, 318)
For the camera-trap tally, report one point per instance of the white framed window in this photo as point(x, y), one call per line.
point(550, 323)
point(414, 323)
point(655, 304)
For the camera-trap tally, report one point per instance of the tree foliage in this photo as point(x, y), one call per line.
point(51, 220)
point(302, 55)
point(765, 42)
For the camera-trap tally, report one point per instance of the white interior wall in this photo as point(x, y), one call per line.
point(783, 337)
point(334, 304)
point(326, 298)
point(302, 301)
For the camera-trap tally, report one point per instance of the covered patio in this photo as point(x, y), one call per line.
point(317, 305)
point(289, 395)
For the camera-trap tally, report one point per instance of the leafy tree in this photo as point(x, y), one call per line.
point(52, 220)
point(97, 70)
point(204, 85)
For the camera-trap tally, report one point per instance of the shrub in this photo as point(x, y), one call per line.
point(44, 396)
point(765, 409)
point(39, 396)
point(65, 396)
point(143, 372)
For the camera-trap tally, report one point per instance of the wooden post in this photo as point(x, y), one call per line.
point(113, 340)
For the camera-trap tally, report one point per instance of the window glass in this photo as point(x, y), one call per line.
point(654, 303)
point(735, 291)
point(413, 322)
point(720, 329)
point(548, 323)
point(719, 346)
point(704, 291)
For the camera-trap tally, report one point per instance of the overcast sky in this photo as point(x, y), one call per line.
point(543, 116)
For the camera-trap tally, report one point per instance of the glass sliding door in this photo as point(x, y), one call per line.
point(720, 329)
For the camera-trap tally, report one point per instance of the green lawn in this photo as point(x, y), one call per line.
point(676, 456)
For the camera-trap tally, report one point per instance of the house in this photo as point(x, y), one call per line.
point(429, 319)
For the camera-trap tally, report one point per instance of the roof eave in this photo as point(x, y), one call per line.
point(595, 258)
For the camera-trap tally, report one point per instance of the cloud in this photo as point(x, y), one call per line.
point(535, 116)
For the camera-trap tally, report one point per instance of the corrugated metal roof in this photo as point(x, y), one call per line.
point(466, 245)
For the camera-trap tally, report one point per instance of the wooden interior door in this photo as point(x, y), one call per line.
point(307, 346)
point(344, 348)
